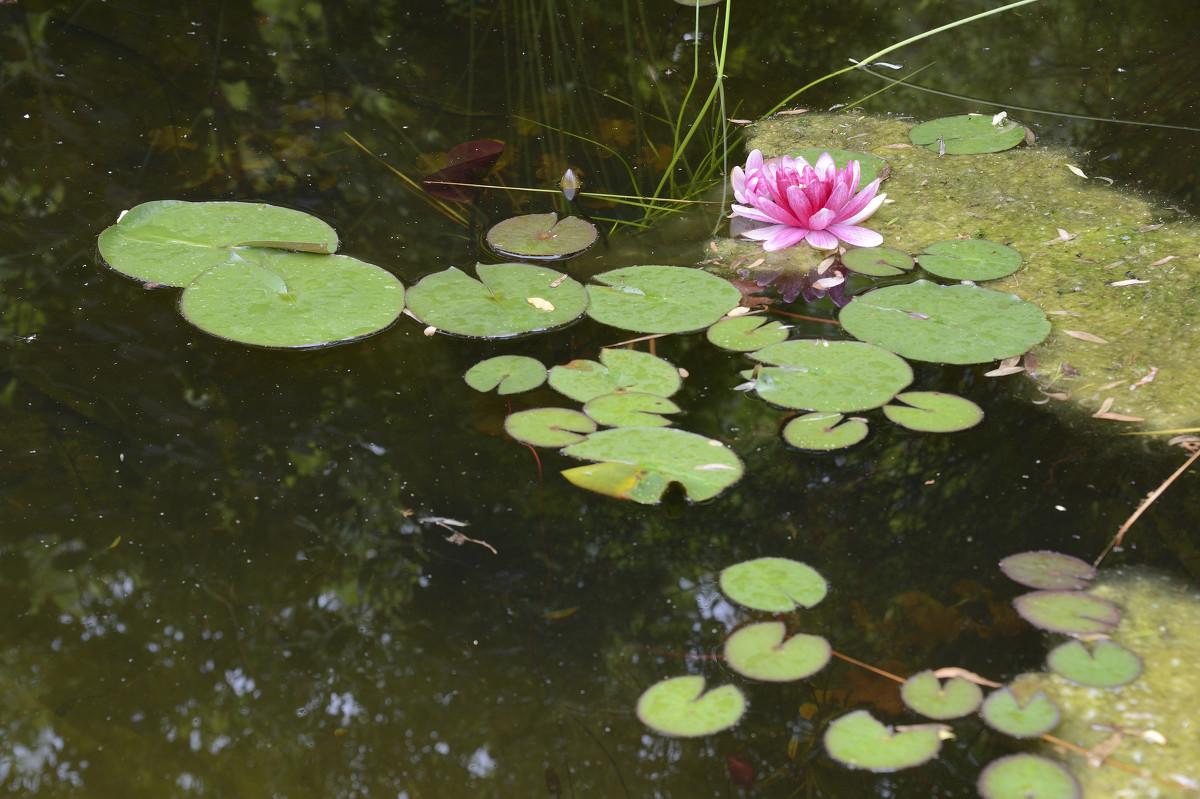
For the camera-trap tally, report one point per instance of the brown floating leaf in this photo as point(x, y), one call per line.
point(1162, 261)
point(1113, 384)
point(1004, 370)
point(1076, 171)
point(1148, 228)
point(1080, 334)
point(1147, 379)
point(1068, 370)
point(1065, 313)
point(540, 304)
point(954, 671)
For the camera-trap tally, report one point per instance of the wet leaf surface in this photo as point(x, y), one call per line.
point(680, 708)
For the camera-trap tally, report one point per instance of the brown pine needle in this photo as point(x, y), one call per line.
point(1153, 495)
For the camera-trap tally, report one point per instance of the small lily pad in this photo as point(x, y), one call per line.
point(970, 259)
point(759, 652)
point(549, 427)
point(934, 412)
point(869, 165)
point(619, 371)
point(1026, 776)
point(1108, 665)
point(945, 324)
point(878, 261)
point(818, 375)
point(824, 431)
point(542, 236)
point(679, 707)
point(1003, 711)
point(639, 463)
point(630, 410)
point(1048, 570)
point(774, 585)
point(860, 741)
point(1069, 612)
point(660, 299)
point(746, 333)
point(966, 135)
point(927, 695)
point(508, 374)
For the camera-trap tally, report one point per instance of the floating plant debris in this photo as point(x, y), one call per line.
point(930, 697)
point(1003, 711)
point(1025, 776)
point(860, 741)
point(774, 585)
point(1069, 612)
point(1107, 665)
point(759, 651)
point(679, 707)
point(508, 374)
point(1048, 570)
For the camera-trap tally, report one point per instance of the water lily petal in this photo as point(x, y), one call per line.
point(858, 236)
point(852, 214)
point(822, 219)
point(822, 239)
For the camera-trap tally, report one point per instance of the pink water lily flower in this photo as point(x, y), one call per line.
point(800, 202)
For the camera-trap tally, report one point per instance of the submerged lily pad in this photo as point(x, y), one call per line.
point(630, 410)
point(639, 463)
point(619, 371)
point(542, 236)
point(680, 708)
point(746, 333)
point(774, 585)
point(966, 135)
point(945, 324)
point(1026, 776)
point(1003, 711)
point(660, 299)
point(934, 412)
point(877, 261)
point(274, 298)
point(759, 652)
point(508, 374)
point(869, 165)
point(818, 375)
point(860, 741)
point(822, 431)
point(970, 259)
point(507, 300)
point(1069, 612)
point(927, 695)
point(1108, 665)
point(170, 242)
point(549, 427)
point(1048, 570)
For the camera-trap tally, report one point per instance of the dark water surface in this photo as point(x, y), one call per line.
point(214, 573)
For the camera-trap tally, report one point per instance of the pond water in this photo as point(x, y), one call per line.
point(222, 568)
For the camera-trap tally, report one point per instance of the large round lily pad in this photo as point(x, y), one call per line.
point(967, 134)
point(823, 431)
point(759, 651)
point(877, 261)
point(860, 741)
point(819, 375)
point(639, 463)
point(1003, 711)
point(541, 236)
point(1026, 776)
point(660, 299)
point(774, 585)
point(746, 333)
point(970, 259)
point(549, 427)
point(1107, 665)
point(274, 298)
point(934, 412)
point(945, 324)
point(630, 410)
point(507, 300)
point(171, 242)
point(680, 708)
point(1069, 612)
point(927, 695)
point(619, 371)
point(508, 374)
point(1048, 570)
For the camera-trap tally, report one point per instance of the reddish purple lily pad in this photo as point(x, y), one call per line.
point(468, 162)
point(1070, 612)
point(1047, 570)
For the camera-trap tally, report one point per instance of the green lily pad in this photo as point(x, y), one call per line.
point(619, 371)
point(1108, 665)
point(639, 463)
point(630, 410)
point(274, 298)
point(759, 652)
point(859, 741)
point(818, 375)
point(170, 242)
point(549, 427)
point(678, 707)
point(1026, 776)
point(1069, 612)
point(955, 698)
point(934, 412)
point(660, 299)
point(970, 259)
point(774, 585)
point(945, 324)
point(507, 300)
point(822, 431)
point(746, 333)
point(966, 135)
point(877, 261)
point(508, 374)
point(1048, 570)
point(542, 236)
point(869, 166)
point(1003, 711)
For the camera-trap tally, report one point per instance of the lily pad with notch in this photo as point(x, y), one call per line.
point(860, 741)
point(930, 697)
point(1003, 710)
point(967, 134)
point(878, 261)
point(639, 463)
point(508, 374)
point(746, 333)
point(542, 236)
point(507, 300)
point(823, 431)
point(1107, 665)
point(660, 299)
point(679, 707)
point(773, 585)
point(934, 412)
point(549, 427)
point(869, 165)
point(759, 651)
point(1026, 776)
point(1070, 612)
point(619, 371)
point(836, 376)
point(1048, 570)
point(630, 409)
point(970, 259)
